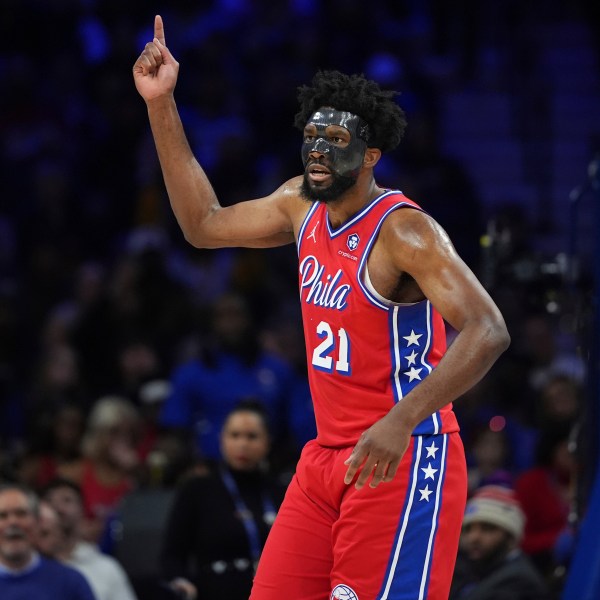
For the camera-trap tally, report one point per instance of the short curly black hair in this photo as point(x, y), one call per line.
point(360, 96)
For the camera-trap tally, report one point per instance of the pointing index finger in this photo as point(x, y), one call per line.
point(159, 29)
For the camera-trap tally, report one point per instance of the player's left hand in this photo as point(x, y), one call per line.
point(379, 451)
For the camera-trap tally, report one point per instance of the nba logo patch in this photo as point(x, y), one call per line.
point(343, 592)
point(352, 241)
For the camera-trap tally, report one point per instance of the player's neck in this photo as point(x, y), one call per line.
point(353, 201)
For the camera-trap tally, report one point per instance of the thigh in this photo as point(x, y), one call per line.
point(297, 559)
point(399, 541)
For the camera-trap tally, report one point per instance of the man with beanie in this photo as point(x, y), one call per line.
point(490, 565)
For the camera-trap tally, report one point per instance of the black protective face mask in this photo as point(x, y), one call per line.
point(344, 162)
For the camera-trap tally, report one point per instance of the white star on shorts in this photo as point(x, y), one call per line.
point(425, 492)
point(429, 472)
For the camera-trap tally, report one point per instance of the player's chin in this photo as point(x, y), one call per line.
point(309, 190)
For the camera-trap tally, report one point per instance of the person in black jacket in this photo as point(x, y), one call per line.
point(490, 565)
point(219, 522)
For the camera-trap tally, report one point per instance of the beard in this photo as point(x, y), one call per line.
point(339, 185)
point(490, 560)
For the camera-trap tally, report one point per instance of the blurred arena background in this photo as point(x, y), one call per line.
point(100, 294)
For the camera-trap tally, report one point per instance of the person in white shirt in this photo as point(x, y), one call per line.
point(49, 538)
point(105, 575)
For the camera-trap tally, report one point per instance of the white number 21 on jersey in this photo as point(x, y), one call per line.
point(323, 354)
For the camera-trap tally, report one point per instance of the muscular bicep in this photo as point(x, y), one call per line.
point(420, 247)
point(254, 223)
point(259, 223)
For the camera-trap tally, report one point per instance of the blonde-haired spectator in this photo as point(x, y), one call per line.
point(106, 471)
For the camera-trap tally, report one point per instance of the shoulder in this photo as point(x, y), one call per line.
point(414, 240)
point(522, 569)
point(197, 485)
point(196, 494)
point(68, 576)
point(289, 197)
point(410, 225)
point(108, 565)
point(54, 567)
point(290, 189)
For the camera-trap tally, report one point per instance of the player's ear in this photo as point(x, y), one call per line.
point(372, 156)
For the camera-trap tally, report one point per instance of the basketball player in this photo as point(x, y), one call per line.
point(375, 507)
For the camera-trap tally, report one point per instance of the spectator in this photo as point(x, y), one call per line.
point(284, 336)
point(545, 493)
point(490, 565)
point(104, 574)
point(49, 536)
point(138, 363)
point(545, 354)
point(233, 367)
point(488, 460)
point(560, 401)
point(106, 472)
point(57, 382)
point(56, 443)
point(23, 572)
point(219, 522)
point(86, 197)
point(146, 301)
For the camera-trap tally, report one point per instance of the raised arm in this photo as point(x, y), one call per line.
point(412, 242)
point(257, 223)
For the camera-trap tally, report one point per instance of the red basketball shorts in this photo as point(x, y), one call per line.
point(395, 542)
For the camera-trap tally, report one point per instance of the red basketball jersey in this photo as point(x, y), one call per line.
point(364, 353)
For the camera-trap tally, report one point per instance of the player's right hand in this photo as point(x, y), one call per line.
point(155, 71)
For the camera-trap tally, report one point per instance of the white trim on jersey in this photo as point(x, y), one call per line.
point(302, 229)
point(397, 360)
point(434, 417)
point(360, 215)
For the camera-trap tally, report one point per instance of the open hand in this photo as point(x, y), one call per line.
point(379, 451)
point(155, 71)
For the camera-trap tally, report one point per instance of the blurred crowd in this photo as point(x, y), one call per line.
point(123, 350)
